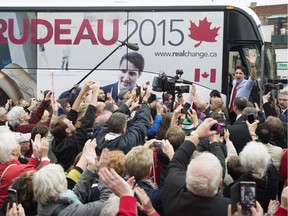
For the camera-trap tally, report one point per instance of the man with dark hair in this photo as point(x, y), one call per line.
point(101, 95)
point(130, 69)
point(239, 133)
point(68, 141)
point(242, 87)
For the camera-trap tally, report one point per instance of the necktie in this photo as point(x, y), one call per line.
point(233, 97)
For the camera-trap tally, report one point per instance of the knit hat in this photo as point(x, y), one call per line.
point(187, 127)
point(22, 137)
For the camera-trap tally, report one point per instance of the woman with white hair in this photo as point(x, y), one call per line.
point(53, 197)
point(22, 121)
point(10, 167)
point(258, 168)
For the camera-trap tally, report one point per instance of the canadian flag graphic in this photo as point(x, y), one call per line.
point(204, 75)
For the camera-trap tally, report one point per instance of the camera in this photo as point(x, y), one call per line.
point(12, 196)
point(157, 143)
point(250, 118)
point(247, 194)
point(216, 127)
point(164, 84)
point(271, 86)
point(223, 129)
point(90, 133)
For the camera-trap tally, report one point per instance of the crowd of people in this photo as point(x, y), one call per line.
point(98, 155)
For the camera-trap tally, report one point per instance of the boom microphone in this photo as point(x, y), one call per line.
point(132, 46)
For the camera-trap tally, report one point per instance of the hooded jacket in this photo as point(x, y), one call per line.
point(134, 136)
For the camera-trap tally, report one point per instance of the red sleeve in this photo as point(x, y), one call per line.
point(34, 162)
point(45, 163)
point(47, 123)
point(281, 212)
point(127, 206)
point(37, 115)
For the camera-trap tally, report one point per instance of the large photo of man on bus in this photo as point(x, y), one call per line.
point(130, 68)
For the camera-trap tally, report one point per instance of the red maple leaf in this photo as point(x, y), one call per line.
point(205, 75)
point(203, 32)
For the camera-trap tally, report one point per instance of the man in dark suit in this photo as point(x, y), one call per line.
point(239, 133)
point(191, 188)
point(130, 69)
point(283, 103)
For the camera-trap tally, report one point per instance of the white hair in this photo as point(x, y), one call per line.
point(111, 206)
point(48, 183)
point(8, 143)
point(204, 175)
point(255, 158)
point(14, 116)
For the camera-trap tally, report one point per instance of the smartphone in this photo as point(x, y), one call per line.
point(216, 127)
point(250, 118)
point(12, 196)
point(138, 91)
point(157, 143)
point(247, 194)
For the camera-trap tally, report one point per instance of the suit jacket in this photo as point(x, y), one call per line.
point(239, 134)
point(177, 199)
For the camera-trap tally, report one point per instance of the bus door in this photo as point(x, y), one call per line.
point(237, 56)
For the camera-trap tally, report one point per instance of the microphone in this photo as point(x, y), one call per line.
point(132, 46)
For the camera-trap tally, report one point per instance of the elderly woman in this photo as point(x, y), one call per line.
point(258, 168)
point(10, 167)
point(22, 121)
point(50, 188)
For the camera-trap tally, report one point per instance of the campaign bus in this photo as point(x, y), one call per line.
point(52, 45)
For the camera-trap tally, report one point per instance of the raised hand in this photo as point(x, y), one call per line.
point(104, 159)
point(145, 204)
point(116, 183)
point(252, 57)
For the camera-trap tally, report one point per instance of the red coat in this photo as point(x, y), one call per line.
point(34, 119)
point(127, 207)
point(14, 171)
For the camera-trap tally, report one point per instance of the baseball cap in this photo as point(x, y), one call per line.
point(22, 137)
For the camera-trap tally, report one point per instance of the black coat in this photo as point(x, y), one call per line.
point(239, 134)
point(134, 136)
point(177, 199)
point(266, 188)
point(68, 148)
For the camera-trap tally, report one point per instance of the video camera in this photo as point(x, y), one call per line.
point(163, 83)
point(270, 86)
